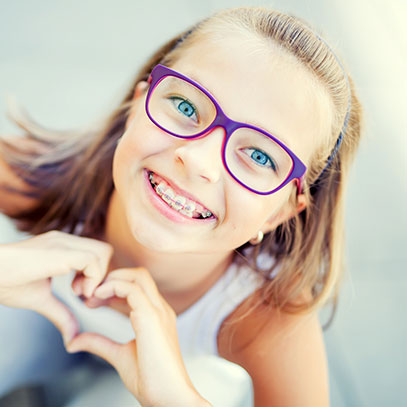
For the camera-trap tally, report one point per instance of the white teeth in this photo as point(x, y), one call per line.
point(177, 202)
point(189, 207)
point(161, 188)
point(168, 196)
point(185, 213)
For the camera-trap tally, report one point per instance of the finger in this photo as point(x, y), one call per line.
point(82, 285)
point(60, 315)
point(52, 263)
point(140, 305)
point(89, 265)
point(77, 283)
point(97, 264)
point(77, 288)
point(92, 273)
point(143, 278)
point(96, 344)
point(94, 302)
point(134, 294)
point(119, 304)
point(103, 252)
point(89, 285)
point(102, 249)
point(56, 253)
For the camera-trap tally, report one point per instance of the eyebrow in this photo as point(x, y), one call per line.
point(253, 123)
point(192, 77)
point(277, 136)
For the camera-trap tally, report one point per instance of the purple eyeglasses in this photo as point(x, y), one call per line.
point(254, 158)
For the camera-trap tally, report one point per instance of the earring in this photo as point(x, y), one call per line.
point(118, 140)
point(257, 239)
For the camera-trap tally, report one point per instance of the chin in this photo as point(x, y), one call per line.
point(155, 241)
point(156, 245)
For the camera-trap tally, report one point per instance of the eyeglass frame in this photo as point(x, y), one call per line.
point(298, 168)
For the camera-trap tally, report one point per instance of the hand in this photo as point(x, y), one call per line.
point(116, 303)
point(151, 366)
point(26, 269)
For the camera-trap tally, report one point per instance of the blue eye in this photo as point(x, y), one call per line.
point(261, 158)
point(184, 107)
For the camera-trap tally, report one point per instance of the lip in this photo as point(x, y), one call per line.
point(180, 191)
point(166, 210)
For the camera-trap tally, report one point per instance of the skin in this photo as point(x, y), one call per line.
point(258, 90)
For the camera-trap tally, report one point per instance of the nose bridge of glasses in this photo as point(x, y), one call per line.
point(228, 125)
point(210, 139)
point(223, 123)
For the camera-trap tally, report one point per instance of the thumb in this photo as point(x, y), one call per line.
point(60, 315)
point(96, 344)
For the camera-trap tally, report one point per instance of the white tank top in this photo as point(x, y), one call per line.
point(198, 326)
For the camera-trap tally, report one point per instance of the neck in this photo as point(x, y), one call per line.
point(174, 273)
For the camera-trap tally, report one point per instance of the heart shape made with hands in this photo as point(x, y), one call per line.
point(153, 356)
point(117, 303)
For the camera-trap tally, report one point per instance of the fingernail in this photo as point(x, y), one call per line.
point(88, 289)
point(93, 302)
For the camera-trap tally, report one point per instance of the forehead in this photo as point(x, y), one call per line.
point(258, 83)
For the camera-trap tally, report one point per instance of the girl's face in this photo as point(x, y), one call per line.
point(254, 83)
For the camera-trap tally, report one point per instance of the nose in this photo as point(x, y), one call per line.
point(202, 157)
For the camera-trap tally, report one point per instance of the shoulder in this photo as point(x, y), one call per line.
point(284, 354)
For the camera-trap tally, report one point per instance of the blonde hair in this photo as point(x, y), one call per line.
point(308, 249)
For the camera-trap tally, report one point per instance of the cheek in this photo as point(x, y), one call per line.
point(121, 160)
point(138, 142)
point(246, 210)
point(143, 139)
point(252, 210)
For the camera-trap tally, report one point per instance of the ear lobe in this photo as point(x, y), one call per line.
point(301, 202)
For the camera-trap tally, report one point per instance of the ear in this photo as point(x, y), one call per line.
point(284, 214)
point(139, 90)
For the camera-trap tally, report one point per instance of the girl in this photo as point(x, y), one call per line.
point(212, 196)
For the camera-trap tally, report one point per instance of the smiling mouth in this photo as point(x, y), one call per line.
point(178, 202)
